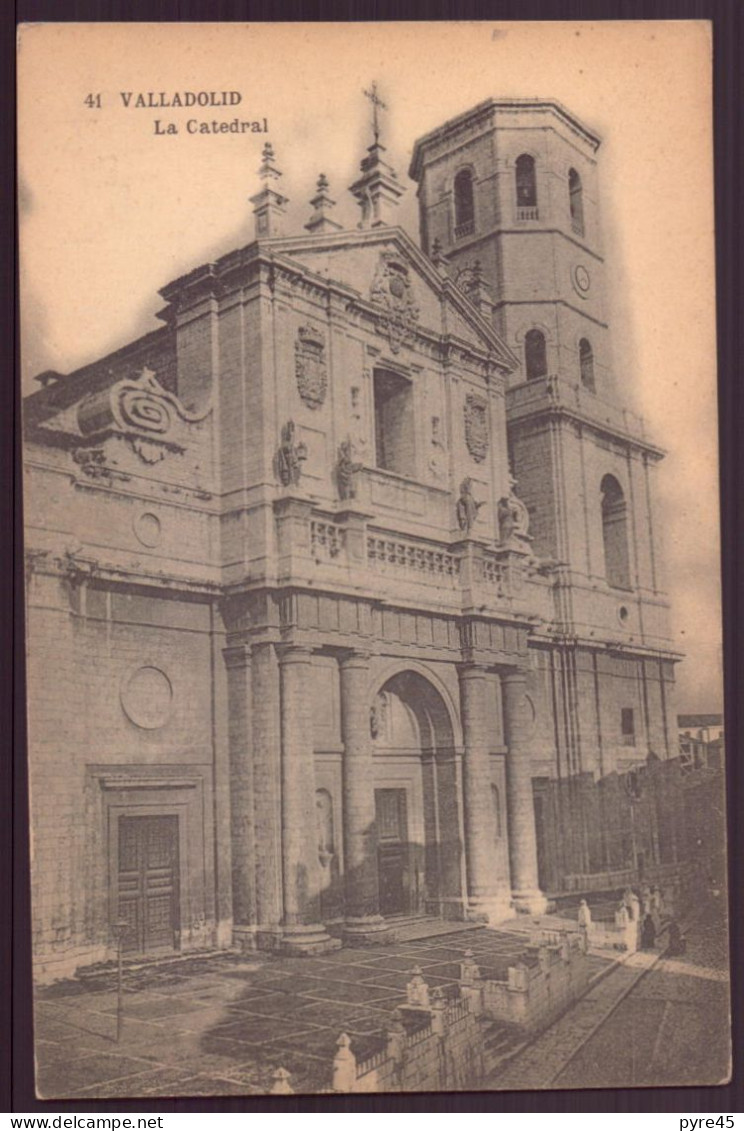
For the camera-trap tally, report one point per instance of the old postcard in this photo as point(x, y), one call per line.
point(373, 648)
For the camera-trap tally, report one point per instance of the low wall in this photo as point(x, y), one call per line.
point(436, 1044)
point(551, 975)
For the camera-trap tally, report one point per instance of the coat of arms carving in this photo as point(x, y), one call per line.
point(476, 426)
point(310, 366)
point(391, 291)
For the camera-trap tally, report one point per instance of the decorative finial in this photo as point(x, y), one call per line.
point(377, 104)
point(320, 220)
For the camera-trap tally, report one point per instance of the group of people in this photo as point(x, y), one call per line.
point(645, 909)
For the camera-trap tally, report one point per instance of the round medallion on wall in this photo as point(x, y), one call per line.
point(147, 697)
point(581, 280)
point(623, 614)
point(147, 529)
point(530, 716)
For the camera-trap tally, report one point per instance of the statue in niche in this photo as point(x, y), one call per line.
point(324, 826)
point(346, 470)
point(290, 456)
point(437, 459)
point(467, 507)
point(513, 516)
point(378, 714)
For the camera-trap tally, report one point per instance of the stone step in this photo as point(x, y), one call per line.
point(410, 928)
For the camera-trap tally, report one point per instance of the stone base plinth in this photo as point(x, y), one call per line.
point(530, 902)
point(490, 909)
point(307, 938)
point(367, 930)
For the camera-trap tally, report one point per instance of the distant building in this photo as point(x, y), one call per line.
point(701, 740)
point(345, 601)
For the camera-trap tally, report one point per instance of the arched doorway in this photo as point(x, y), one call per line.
point(417, 810)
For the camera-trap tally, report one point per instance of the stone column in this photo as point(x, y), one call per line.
point(303, 933)
point(480, 831)
point(361, 894)
point(526, 894)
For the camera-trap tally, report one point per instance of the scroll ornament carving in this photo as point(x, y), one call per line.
point(310, 366)
point(392, 292)
point(143, 411)
point(476, 426)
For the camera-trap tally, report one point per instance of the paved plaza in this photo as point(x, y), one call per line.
point(223, 1024)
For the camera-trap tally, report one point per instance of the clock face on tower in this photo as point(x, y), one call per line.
point(581, 280)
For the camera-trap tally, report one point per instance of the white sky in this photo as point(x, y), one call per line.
point(110, 212)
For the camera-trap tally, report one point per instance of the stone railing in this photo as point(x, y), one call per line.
point(544, 392)
point(412, 558)
point(528, 213)
point(327, 539)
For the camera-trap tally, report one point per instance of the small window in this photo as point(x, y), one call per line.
point(576, 202)
point(394, 429)
point(586, 364)
point(627, 726)
point(464, 204)
point(615, 533)
point(535, 355)
point(526, 186)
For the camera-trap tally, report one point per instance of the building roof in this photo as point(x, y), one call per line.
point(484, 109)
point(700, 720)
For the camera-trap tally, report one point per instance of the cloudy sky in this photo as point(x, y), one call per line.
point(111, 211)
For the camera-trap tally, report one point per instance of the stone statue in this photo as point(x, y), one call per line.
point(290, 456)
point(346, 470)
point(513, 517)
point(467, 507)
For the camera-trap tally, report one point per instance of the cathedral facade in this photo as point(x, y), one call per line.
point(345, 602)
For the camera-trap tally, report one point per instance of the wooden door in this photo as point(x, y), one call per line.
point(148, 883)
point(393, 851)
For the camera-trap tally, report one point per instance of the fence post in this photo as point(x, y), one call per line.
point(282, 1085)
point(344, 1065)
point(417, 991)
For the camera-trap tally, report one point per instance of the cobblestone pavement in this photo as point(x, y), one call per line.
point(652, 1021)
point(222, 1024)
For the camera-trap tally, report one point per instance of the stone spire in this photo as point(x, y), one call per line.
point(320, 221)
point(268, 204)
point(377, 190)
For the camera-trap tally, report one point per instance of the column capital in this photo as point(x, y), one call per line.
point(513, 676)
point(471, 669)
point(237, 655)
point(354, 658)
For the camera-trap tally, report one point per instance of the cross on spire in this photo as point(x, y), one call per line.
point(377, 104)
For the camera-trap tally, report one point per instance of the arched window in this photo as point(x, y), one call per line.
point(615, 533)
point(464, 204)
point(496, 803)
point(535, 355)
point(526, 188)
point(576, 202)
point(586, 364)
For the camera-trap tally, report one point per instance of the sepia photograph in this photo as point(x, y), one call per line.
point(372, 558)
